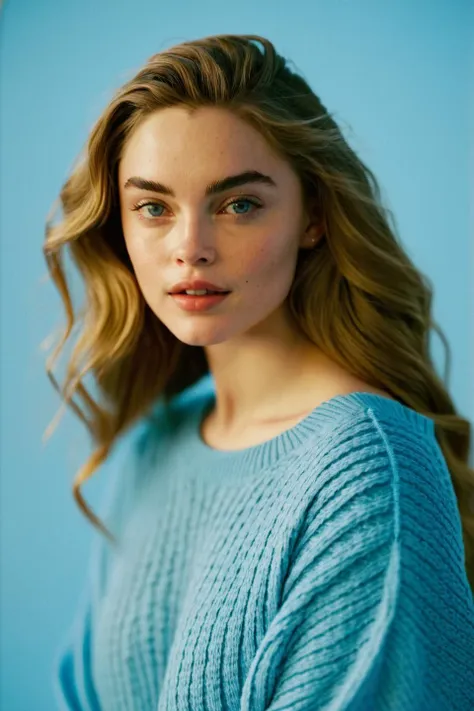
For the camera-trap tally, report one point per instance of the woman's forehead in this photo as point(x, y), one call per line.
point(204, 147)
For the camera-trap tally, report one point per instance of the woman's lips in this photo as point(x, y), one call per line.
point(191, 302)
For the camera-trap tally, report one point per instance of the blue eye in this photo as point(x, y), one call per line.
point(139, 207)
point(243, 201)
point(151, 205)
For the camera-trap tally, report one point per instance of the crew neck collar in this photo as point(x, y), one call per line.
point(310, 428)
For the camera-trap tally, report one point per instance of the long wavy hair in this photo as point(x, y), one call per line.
point(377, 313)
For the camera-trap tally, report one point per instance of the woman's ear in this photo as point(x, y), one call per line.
point(314, 231)
point(314, 224)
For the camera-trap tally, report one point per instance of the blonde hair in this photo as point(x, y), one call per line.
point(377, 311)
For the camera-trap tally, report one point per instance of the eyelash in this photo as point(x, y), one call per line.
point(241, 198)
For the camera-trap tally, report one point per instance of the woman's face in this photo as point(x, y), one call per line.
point(244, 239)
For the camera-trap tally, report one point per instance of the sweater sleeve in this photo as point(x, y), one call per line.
point(323, 649)
point(73, 682)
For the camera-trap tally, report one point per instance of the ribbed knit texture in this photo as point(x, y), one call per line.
point(320, 570)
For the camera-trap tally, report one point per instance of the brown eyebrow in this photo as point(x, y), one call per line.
point(217, 186)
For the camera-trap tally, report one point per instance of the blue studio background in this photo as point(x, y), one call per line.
point(396, 73)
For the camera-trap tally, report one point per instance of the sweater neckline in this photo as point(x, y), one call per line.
point(328, 413)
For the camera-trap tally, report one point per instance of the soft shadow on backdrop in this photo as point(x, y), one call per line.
point(396, 75)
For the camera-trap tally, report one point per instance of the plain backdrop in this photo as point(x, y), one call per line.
point(396, 75)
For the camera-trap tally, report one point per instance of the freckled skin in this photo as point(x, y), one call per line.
point(260, 360)
point(254, 256)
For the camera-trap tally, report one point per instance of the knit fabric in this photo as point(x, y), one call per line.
point(320, 570)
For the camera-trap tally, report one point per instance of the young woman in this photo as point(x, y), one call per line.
point(291, 526)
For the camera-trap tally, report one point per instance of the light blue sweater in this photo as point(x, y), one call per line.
point(321, 570)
